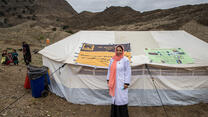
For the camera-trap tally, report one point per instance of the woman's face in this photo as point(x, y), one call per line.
point(119, 51)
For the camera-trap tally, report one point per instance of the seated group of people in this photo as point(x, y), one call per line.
point(12, 57)
point(8, 58)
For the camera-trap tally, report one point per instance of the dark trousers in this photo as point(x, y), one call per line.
point(119, 111)
point(27, 59)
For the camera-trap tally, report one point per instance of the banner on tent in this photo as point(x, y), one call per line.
point(168, 56)
point(99, 55)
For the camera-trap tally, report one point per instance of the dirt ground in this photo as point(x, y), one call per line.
point(15, 101)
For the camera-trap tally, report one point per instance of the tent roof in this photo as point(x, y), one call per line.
point(66, 50)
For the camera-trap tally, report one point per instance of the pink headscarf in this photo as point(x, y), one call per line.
point(112, 78)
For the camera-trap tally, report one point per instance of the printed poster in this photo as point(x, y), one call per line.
point(168, 56)
point(99, 55)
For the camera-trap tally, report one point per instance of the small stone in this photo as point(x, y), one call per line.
point(4, 114)
point(14, 97)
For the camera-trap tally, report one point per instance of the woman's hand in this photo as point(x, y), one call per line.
point(126, 86)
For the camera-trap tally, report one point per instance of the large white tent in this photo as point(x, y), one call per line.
point(176, 84)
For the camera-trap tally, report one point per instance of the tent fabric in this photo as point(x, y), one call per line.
point(175, 87)
point(177, 84)
point(68, 49)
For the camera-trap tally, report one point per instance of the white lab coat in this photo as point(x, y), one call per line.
point(123, 75)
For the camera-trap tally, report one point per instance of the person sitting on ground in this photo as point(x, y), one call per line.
point(4, 58)
point(9, 58)
point(15, 57)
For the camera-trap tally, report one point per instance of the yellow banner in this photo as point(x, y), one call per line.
point(99, 55)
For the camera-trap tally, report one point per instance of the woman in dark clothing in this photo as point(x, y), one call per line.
point(26, 53)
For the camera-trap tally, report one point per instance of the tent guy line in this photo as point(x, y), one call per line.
point(153, 81)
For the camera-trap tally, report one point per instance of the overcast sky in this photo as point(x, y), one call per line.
point(139, 5)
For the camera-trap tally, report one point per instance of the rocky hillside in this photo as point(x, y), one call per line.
point(58, 8)
point(59, 13)
point(110, 17)
point(13, 12)
point(170, 19)
point(55, 19)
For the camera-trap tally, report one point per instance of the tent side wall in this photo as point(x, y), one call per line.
point(78, 89)
point(86, 85)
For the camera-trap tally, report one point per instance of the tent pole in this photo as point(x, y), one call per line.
point(156, 89)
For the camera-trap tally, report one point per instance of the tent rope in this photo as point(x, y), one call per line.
point(57, 70)
point(20, 96)
point(26, 92)
point(156, 89)
point(12, 103)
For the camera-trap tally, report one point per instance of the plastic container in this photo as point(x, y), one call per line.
point(27, 82)
point(39, 80)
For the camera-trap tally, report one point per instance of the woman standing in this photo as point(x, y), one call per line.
point(118, 78)
point(26, 53)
